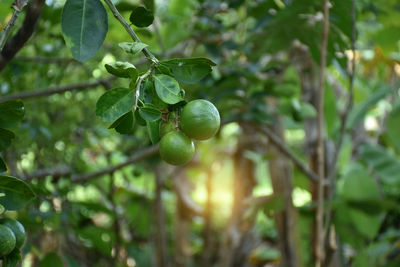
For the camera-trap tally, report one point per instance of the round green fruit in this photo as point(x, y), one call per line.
point(200, 119)
point(176, 148)
point(17, 228)
point(7, 240)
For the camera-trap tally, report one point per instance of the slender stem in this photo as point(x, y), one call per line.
point(7, 30)
point(332, 175)
point(116, 223)
point(130, 31)
point(286, 151)
point(139, 155)
point(139, 83)
point(160, 236)
point(319, 249)
point(57, 90)
point(17, 42)
point(17, 6)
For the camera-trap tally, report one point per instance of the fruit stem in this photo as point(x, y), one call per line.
point(129, 29)
point(138, 84)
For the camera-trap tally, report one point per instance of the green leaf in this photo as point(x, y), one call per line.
point(149, 4)
point(6, 137)
point(366, 223)
point(162, 69)
point(50, 260)
point(358, 213)
point(332, 120)
point(3, 166)
point(122, 69)
point(283, 90)
point(132, 48)
point(189, 70)
point(167, 89)
point(141, 17)
point(124, 125)
point(358, 185)
point(265, 254)
point(148, 95)
point(388, 37)
point(150, 113)
point(147, 91)
point(307, 110)
point(84, 26)
point(359, 112)
point(12, 259)
point(11, 112)
point(393, 127)
point(139, 119)
point(274, 205)
point(94, 235)
point(385, 164)
point(114, 103)
point(153, 128)
point(18, 193)
point(374, 255)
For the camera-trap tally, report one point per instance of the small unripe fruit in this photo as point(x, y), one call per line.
point(200, 119)
point(17, 228)
point(176, 148)
point(7, 240)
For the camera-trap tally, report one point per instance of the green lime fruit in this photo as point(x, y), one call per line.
point(7, 240)
point(176, 148)
point(166, 127)
point(200, 119)
point(17, 228)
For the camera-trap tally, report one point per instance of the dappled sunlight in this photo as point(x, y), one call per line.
point(193, 133)
point(300, 197)
point(222, 190)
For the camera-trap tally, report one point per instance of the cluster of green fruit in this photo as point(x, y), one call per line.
point(199, 120)
point(12, 236)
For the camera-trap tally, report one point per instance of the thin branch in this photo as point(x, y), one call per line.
point(17, 6)
point(7, 30)
point(57, 90)
point(58, 171)
point(47, 60)
point(319, 245)
point(138, 156)
point(128, 28)
point(332, 175)
point(138, 84)
point(18, 41)
point(286, 151)
point(160, 235)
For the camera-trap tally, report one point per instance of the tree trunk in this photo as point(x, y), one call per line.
point(243, 186)
point(182, 234)
point(161, 240)
point(309, 77)
point(285, 220)
point(208, 231)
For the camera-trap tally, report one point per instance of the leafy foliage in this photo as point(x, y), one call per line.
point(268, 55)
point(167, 89)
point(115, 103)
point(141, 17)
point(17, 193)
point(84, 26)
